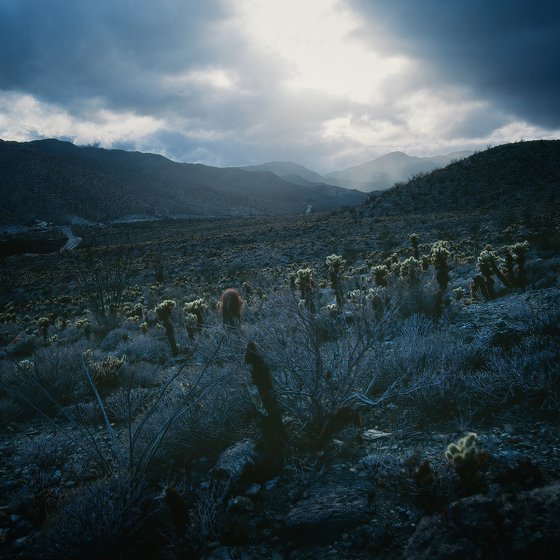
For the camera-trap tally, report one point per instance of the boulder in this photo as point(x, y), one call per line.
point(512, 526)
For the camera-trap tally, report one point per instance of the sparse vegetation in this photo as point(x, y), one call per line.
point(338, 378)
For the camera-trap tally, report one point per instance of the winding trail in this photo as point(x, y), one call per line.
point(72, 242)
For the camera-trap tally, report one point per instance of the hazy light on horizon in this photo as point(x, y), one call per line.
point(326, 83)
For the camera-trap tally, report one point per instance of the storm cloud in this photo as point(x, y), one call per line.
point(326, 83)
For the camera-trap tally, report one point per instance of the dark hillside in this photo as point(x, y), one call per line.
point(512, 177)
point(53, 181)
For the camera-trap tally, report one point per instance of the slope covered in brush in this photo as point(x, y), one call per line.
point(512, 176)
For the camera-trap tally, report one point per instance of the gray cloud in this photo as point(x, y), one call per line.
point(147, 59)
point(508, 52)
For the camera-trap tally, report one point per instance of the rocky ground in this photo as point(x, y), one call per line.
point(381, 486)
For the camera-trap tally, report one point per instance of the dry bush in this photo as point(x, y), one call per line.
point(51, 378)
point(320, 362)
point(426, 368)
point(108, 515)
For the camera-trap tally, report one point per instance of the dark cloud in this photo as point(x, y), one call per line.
point(150, 64)
point(507, 52)
point(65, 51)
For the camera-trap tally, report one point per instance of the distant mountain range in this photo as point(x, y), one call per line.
point(60, 182)
point(377, 174)
point(521, 179)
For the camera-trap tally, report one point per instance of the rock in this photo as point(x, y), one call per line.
point(20, 543)
point(253, 490)
point(328, 509)
point(526, 525)
point(372, 435)
point(271, 484)
point(4, 535)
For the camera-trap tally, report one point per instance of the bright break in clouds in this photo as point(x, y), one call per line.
point(327, 83)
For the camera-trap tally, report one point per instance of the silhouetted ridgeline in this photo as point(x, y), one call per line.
point(515, 177)
point(54, 181)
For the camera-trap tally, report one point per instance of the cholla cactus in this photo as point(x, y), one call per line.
point(459, 293)
point(84, 324)
point(26, 368)
point(414, 240)
point(490, 263)
point(520, 251)
point(355, 296)
point(467, 461)
point(377, 297)
point(163, 312)
point(304, 281)
point(463, 451)
point(336, 266)
point(105, 373)
point(192, 324)
point(410, 271)
point(137, 311)
point(380, 275)
point(439, 255)
point(197, 308)
point(331, 309)
point(43, 324)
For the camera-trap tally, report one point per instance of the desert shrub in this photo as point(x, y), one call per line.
point(425, 369)
point(103, 276)
point(208, 516)
point(43, 452)
point(543, 273)
point(148, 347)
point(53, 377)
point(35, 495)
point(125, 405)
point(113, 338)
point(526, 376)
point(139, 375)
point(108, 515)
point(317, 374)
point(22, 345)
point(10, 411)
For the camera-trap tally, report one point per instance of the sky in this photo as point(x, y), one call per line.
point(325, 83)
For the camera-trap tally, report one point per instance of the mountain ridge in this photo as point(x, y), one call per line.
point(513, 177)
point(54, 180)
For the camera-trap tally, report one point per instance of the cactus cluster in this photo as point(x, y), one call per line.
point(439, 255)
point(462, 452)
point(164, 310)
point(380, 273)
point(468, 462)
point(303, 280)
point(414, 239)
point(163, 313)
point(43, 324)
point(410, 270)
point(516, 256)
point(105, 373)
point(336, 266)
